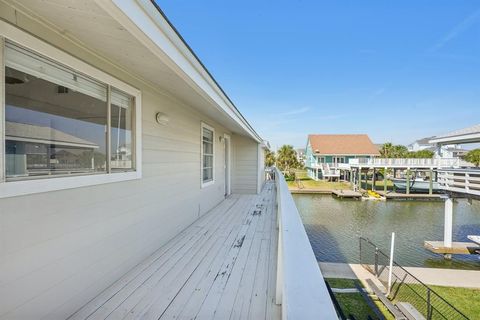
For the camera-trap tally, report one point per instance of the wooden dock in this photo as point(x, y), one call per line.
point(456, 248)
point(411, 196)
point(347, 194)
point(310, 191)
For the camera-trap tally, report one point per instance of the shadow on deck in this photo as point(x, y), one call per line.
point(221, 267)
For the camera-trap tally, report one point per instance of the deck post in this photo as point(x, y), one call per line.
point(359, 180)
point(385, 180)
point(374, 180)
point(430, 180)
point(366, 179)
point(394, 176)
point(447, 234)
point(408, 180)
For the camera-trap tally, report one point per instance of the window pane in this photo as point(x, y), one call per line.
point(207, 170)
point(121, 132)
point(52, 128)
point(207, 148)
point(207, 174)
point(207, 161)
point(207, 135)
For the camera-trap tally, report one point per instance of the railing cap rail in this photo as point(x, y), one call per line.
point(305, 295)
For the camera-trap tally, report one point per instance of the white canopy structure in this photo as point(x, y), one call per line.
point(461, 136)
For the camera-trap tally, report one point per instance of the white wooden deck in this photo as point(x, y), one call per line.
point(221, 267)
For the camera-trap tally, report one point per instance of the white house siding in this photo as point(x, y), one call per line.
point(59, 249)
point(245, 165)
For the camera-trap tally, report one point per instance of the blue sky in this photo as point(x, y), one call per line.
point(396, 70)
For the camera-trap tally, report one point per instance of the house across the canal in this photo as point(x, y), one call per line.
point(327, 155)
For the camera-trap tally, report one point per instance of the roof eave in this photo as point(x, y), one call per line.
point(149, 24)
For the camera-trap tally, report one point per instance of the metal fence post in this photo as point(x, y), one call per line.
point(429, 306)
point(376, 262)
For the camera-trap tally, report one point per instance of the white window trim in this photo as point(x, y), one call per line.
point(211, 182)
point(25, 187)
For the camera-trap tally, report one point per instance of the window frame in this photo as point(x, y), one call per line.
point(24, 187)
point(204, 184)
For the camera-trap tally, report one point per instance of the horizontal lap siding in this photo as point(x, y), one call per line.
point(60, 249)
point(245, 165)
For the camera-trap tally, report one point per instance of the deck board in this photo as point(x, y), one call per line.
point(223, 266)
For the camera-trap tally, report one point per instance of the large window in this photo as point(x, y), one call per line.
point(208, 138)
point(61, 122)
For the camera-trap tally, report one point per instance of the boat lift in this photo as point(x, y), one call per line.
point(457, 183)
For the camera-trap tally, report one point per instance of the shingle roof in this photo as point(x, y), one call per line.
point(342, 144)
point(424, 140)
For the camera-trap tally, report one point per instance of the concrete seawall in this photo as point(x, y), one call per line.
point(430, 276)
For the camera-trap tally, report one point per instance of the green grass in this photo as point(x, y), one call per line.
point(317, 185)
point(378, 185)
point(461, 298)
point(465, 300)
point(353, 303)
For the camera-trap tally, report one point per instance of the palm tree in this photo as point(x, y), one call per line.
point(386, 150)
point(399, 151)
point(287, 158)
point(269, 158)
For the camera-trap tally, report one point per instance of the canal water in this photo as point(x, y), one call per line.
point(334, 227)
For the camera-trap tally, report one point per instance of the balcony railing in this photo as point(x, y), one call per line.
point(410, 162)
point(465, 181)
point(301, 288)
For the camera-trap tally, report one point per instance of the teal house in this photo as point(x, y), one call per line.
point(327, 155)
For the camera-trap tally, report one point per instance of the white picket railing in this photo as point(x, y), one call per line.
point(465, 181)
point(410, 162)
point(300, 288)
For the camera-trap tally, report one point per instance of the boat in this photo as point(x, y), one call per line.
point(417, 184)
point(475, 239)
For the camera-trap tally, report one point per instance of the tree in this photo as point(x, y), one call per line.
point(473, 156)
point(386, 150)
point(269, 158)
point(287, 158)
point(399, 151)
point(424, 154)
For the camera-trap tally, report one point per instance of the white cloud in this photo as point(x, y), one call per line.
point(295, 111)
point(463, 26)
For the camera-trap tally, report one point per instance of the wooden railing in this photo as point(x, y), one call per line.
point(410, 162)
point(460, 180)
point(301, 289)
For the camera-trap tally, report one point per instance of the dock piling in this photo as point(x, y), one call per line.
point(447, 234)
point(385, 180)
point(408, 180)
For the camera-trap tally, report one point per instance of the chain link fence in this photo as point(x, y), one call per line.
point(406, 287)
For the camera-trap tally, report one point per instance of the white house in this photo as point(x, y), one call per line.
point(119, 155)
point(440, 150)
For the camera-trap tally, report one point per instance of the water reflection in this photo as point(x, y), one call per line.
point(334, 227)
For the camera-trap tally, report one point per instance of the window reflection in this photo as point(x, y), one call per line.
point(52, 128)
point(121, 131)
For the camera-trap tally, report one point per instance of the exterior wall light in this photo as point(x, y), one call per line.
point(161, 118)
